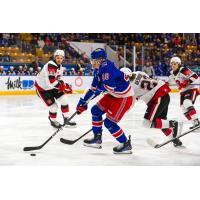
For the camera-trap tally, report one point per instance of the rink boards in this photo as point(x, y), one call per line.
point(24, 85)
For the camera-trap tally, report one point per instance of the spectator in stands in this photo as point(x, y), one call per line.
point(20, 71)
point(35, 64)
point(91, 72)
point(85, 58)
point(41, 43)
point(80, 72)
point(138, 68)
point(148, 69)
point(72, 72)
point(47, 48)
point(5, 57)
point(64, 71)
point(2, 72)
point(31, 71)
point(34, 42)
point(25, 70)
point(6, 36)
point(11, 71)
point(38, 69)
point(48, 42)
point(11, 41)
point(4, 42)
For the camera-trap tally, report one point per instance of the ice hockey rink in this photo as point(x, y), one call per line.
point(23, 122)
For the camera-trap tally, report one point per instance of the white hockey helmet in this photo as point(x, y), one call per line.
point(126, 71)
point(175, 60)
point(59, 52)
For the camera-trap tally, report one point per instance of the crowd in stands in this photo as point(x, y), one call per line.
point(19, 71)
point(20, 45)
point(153, 50)
point(32, 70)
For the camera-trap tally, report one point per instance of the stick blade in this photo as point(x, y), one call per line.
point(65, 141)
point(31, 148)
point(152, 143)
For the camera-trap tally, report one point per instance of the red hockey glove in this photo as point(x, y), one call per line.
point(182, 85)
point(68, 88)
point(61, 87)
point(64, 87)
point(81, 106)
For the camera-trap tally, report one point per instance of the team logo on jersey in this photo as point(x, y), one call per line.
point(104, 63)
point(187, 72)
point(52, 71)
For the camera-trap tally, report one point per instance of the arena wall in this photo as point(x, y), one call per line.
point(24, 85)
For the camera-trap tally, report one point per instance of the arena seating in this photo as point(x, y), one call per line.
point(23, 48)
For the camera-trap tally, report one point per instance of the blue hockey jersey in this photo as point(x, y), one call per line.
point(110, 79)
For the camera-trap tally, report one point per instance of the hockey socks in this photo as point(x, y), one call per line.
point(97, 120)
point(115, 130)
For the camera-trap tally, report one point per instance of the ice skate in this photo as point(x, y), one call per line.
point(174, 126)
point(68, 124)
point(124, 148)
point(196, 123)
point(55, 123)
point(94, 142)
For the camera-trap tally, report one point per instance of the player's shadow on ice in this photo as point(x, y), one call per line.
point(99, 154)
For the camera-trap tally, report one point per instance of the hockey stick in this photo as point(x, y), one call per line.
point(58, 130)
point(70, 142)
point(156, 145)
point(42, 145)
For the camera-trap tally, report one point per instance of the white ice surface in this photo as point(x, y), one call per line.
point(23, 122)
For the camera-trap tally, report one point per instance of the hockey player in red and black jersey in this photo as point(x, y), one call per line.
point(155, 93)
point(188, 83)
point(51, 89)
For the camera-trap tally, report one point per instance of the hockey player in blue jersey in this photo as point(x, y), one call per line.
point(117, 100)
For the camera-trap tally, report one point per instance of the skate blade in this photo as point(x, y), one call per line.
point(123, 152)
point(96, 146)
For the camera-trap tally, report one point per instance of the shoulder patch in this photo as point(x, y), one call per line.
point(186, 71)
point(52, 63)
point(104, 63)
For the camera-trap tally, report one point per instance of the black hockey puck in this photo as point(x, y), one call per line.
point(32, 154)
